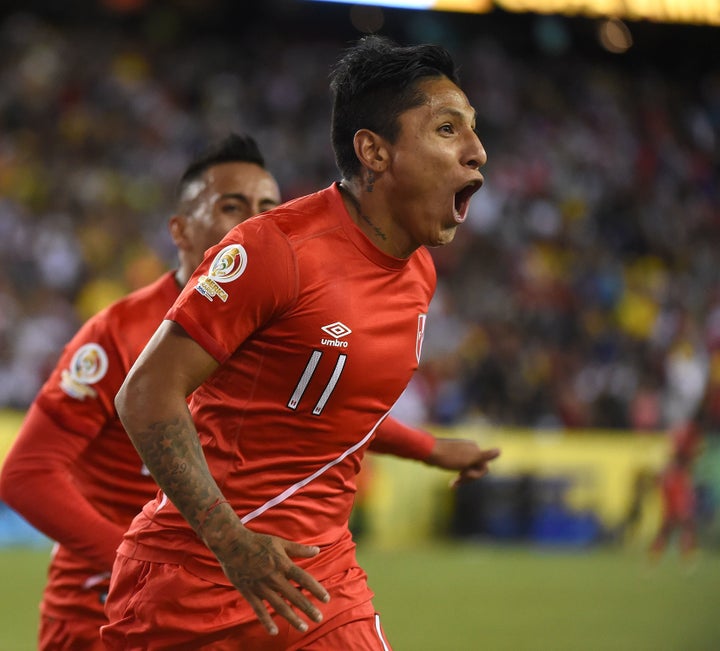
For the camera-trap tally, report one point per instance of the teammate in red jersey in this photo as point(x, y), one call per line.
point(295, 336)
point(72, 472)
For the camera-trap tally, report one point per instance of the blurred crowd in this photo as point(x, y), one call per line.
point(583, 292)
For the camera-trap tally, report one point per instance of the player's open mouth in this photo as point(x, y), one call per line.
point(462, 200)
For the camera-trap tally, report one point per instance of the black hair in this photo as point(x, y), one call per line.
point(372, 84)
point(235, 148)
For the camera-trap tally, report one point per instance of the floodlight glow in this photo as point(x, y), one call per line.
point(443, 5)
point(399, 4)
point(700, 12)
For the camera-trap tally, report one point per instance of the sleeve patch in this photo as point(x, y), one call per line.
point(228, 265)
point(88, 366)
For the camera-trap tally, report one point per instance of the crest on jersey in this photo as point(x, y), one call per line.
point(88, 366)
point(228, 265)
point(420, 335)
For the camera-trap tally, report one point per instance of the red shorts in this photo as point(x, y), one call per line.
point(678, 497)
point(70, 634)
point(163, 606)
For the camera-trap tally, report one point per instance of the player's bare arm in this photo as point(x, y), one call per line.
point(161, 428)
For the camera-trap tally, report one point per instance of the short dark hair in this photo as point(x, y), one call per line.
point(372, 84)
point(234, 148)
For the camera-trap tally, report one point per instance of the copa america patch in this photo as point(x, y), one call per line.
point(228, 265)
point(88, 366)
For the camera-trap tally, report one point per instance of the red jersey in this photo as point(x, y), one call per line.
point(317, 332)
point(73, 472)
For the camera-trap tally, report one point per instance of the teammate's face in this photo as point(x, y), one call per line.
point(227, 194)
point(434, 165)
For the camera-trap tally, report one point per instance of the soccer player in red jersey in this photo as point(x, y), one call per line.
point(74, 473)
point(294, 338)
point(678, 492)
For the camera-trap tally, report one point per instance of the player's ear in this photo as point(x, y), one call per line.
point(371, 150)
point(177, 225)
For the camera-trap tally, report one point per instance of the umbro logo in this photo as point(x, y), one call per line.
point(337, 331)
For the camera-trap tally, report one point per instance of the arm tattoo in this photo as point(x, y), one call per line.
point(172, 452)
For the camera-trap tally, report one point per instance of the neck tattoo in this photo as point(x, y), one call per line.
point(375, 229)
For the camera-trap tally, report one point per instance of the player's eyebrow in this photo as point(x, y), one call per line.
point(266, 202)
point(235, 195)
point(451, 110)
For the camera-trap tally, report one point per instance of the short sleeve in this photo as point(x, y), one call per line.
point(244, 282)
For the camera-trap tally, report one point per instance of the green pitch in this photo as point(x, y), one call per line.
point(22, 576)
point(446, 597)
point(467, 598)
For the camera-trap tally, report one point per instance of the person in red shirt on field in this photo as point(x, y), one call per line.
point(73, 472)
point(294, 338)
point(678, 493)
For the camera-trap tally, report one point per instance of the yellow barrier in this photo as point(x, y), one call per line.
point(406, 502)
point(606, 471)
point(10, 421)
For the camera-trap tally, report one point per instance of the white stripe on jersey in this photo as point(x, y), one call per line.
point(163, 502)
point(288, 492)
point(378, 630)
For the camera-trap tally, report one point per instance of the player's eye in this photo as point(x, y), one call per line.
point(268, 205)
point(233, 207)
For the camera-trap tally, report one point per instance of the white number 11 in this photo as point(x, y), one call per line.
point(307, 376)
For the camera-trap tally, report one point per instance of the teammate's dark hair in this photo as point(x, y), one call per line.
point(235, 148)
point(372, 84)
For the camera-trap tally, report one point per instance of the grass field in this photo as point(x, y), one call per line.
point(449, 597)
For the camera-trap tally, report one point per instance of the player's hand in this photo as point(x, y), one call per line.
point(462, 455)
point(259, 566)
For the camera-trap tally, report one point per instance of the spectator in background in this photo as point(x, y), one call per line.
point(588, 244)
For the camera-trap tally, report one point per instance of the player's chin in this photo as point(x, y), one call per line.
point(443, 236)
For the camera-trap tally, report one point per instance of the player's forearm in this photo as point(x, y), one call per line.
point(172, 452)
point(152, 406)
point(162, 430)
point(36, 483)
point(54, 506)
